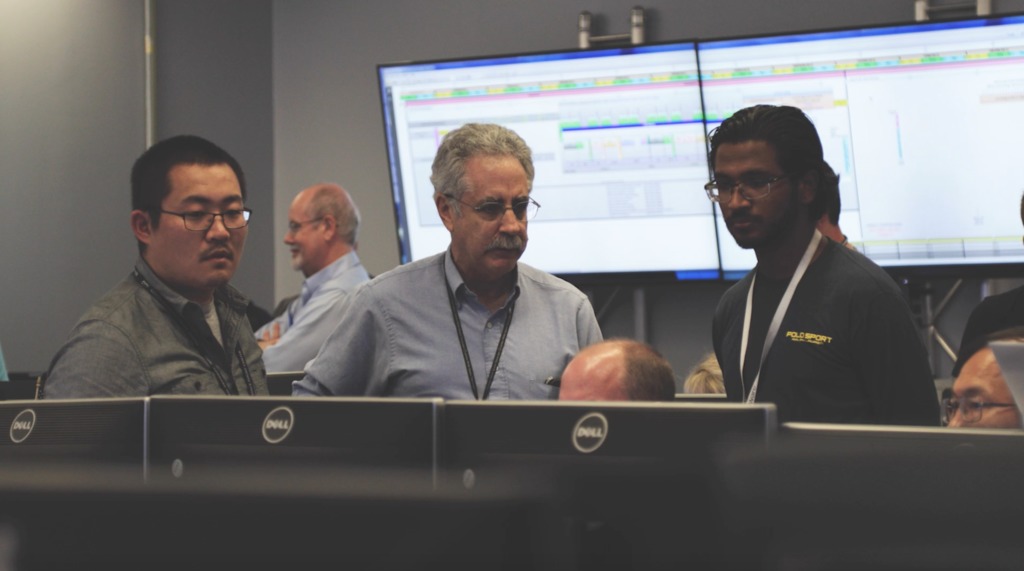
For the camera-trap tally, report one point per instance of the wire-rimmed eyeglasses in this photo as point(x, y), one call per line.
point(751, 187)
point(970, 410)
point(522, 209)
point(294, 227)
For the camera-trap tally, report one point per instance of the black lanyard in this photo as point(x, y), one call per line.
point(228, 388)
point(465, 349)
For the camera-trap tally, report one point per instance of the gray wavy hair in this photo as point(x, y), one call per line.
point(448, 172)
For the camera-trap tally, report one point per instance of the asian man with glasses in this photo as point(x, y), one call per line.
point(175, 325)
point(980, 397)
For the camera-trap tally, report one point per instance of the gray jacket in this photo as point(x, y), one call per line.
point(129, 343)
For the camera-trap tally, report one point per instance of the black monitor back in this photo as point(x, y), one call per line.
point(300, 518)
point(280, 384)
point(875, 497)
point(21, 386)
point(701, 397)
point(934, 439)
point(104, 431)
point(633, 477)
point(190, 434)
point(479, 434)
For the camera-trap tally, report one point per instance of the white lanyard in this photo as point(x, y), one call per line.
point(780, 312)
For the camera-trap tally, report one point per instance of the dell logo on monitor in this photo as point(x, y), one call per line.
point(589, 433)
point(22, 425)
point(278, 424)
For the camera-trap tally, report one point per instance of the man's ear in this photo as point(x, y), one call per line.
point(807, 187)
point(330, 227)
point(445, 210)
point(142, 226)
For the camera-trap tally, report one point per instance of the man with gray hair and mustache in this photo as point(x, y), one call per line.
point(471, 322)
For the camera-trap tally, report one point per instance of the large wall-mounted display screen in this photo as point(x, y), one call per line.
point(618, 144)
point(920, 121)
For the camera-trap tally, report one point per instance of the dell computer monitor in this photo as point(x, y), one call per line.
point(918, 121)
point(618, 147)
point(319, 518)
point(191, 434)
point(632, 477)
point(482, 438)
point(87, 431)
point(874, 497)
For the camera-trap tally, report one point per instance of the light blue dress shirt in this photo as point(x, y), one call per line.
point(397, 337)
point(313, 315)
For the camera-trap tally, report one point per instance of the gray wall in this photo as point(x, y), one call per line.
point(71, 123)
point(213, 63)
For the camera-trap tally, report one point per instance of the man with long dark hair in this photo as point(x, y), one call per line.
point(816, 328)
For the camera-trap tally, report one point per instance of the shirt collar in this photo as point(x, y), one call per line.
point(177, 301)
point(458, 285)
point(330, 271)
point(451, 273)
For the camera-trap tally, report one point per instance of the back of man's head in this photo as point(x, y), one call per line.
point(472, 140)
point(323, 225)
point(329, 199)
point(793, 137)
point(828, 223)
point(150, 181)
point(649, 375)
point(833, 202)
point(618, 369)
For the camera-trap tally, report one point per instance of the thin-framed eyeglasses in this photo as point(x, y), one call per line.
point(201, 221)
point(752, 187)
point(523, 209)
point(294, 227)
point(970, 410)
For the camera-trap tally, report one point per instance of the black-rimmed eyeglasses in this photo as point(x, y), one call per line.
point(751, 187)
point(201, 221)
point(523, 209)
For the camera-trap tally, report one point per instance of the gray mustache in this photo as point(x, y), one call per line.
point(503, 242)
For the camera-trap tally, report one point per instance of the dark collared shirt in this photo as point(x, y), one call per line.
point(129, 344)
